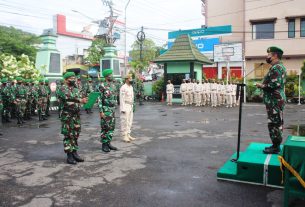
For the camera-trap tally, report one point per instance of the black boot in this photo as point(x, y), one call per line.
point(105, 147)
point(19, 120)
point(44, 118)
point(272, 150)
point(22, 120)
point(76, 157)
point(70, 159)
point(112, 147)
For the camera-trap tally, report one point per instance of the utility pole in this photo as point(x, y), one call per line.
point(141, 38)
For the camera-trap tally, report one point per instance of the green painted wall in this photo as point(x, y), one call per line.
point(198, 69)
point(183, 67)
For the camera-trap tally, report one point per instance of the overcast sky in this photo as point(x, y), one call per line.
point(160, 16)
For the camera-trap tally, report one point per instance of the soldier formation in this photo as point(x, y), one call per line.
point(23, 99)
point(205, 93)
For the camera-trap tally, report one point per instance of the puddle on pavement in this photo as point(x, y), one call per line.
point(298, 130)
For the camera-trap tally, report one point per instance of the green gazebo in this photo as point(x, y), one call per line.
point(182, 61)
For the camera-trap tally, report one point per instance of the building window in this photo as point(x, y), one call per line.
point(302, 27)
point(291, 28)
point(263, 30)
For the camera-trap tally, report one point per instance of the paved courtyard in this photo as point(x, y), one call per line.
point(173, 162)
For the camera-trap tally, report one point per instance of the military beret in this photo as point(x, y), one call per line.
point(89, 79)
point(19, 79)
point(41, 80)
point(68, 75)
point(102, 79)
point(275, 49)
point(78, 77)
point(31, 80)
point(107, 72)
point(46, 80)
point(4, 80)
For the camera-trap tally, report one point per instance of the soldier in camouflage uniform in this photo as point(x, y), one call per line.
point(274, 97)
point(88, 88)
point(70, 117)
point(60, 103)
point(106, 103)
point(21, 99)
point(27, 114)
point(7, 98)
point(33, 97)
point(47, 85)
point(139, 91)
point(42, 100)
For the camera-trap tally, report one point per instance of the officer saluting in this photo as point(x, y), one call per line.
point(274, 97)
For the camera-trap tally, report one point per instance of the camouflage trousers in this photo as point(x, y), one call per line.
point(70, 128)
point(7, 107)
point(107, 125)
point(21, 107)
point(275, 124)
point(42, 105)
point(48, 106)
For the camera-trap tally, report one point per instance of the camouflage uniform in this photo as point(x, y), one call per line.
point(139, 91)
point(8, 99)
point(274, 99)
point(33, 97)
point(60, 102)
point(27, 114)
point(106, 103)
point(88, 88)
point(70, 117)
point(48, 89)
point(42, 100)
point(21, 98)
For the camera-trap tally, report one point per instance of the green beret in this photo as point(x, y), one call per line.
point(31, 80)
point(19, 79)
point(41, 80)
point(46, 80)
point(68, 75)
point(78, 77)
point(107, 72)
point(4, 80)
point(89, 79)
point(275, 49)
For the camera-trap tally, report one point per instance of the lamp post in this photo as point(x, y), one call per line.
point(125, 54)
point(300, 87)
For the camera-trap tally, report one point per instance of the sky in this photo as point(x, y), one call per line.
point(158, 17)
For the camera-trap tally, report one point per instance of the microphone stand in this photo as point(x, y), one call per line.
point(241, 91)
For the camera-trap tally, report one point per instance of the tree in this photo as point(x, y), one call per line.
point(11, 68)
point(149, 53)
point(96, 51)
point(17, 42)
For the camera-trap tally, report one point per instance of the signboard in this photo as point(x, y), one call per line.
point(228, 52)
point(203, 38)
point(203, 32)
point(203, 44)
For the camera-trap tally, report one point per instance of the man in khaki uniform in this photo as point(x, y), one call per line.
point(126, 108)
point(169, 92)
point(197, 91)
point(183, 92)
point(189, 92)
